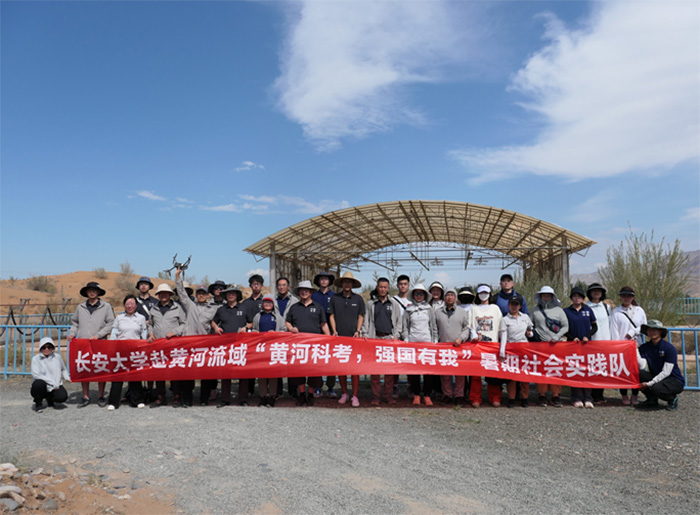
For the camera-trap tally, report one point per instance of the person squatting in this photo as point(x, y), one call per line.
point(415, 314)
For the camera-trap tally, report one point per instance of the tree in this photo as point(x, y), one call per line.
point(656, 271)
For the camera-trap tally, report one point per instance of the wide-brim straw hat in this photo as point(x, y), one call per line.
point(92, 285)
point(330, 276)
point(164, 288)
point(304, 285)
point(347, 275)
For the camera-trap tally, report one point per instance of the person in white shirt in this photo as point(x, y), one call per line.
point(626, 324)
point(596, 294)
point(47, 369)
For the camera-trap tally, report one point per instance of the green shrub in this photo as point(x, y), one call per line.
point(41, 283)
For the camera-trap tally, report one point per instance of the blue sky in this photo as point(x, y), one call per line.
point(132, 131)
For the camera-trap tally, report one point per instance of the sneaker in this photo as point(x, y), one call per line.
point(263, 402)
point(511, 403)
point(317, 393)
point(355, 402)
point(556, 402)
point(673, 405)
point(395, 392)
point(343, 399)
point(625, 400)
point(416, 400)
point(375, 401)
point(301, 399)
point(496, 404)
point(542, 401)
point(332, 394)
point(476, 404)
point(141, 405)
point(102, 402)
point(38, 408)
point(223, 404)
point(588, 405)
point(204, 403)
point(578, 404)
point(458, 401)
point(634, 400)
point(391, 401)
point(649, 403)
point(243, 403)
point(111, 407)
point(428, 401)
point(271, 402)
point(524, 403)
point(310, 399)
point(84, 402)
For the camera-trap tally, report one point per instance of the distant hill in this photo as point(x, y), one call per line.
point(693, 269)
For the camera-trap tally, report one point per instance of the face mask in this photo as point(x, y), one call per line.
point(483, 296)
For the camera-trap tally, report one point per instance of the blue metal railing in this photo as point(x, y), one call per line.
point(688, 306)
point(685, 335)
point(21, 342)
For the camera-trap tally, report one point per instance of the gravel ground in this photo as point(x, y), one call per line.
point(612, 459)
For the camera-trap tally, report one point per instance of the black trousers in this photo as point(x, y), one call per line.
point(39, 393)
point(430, 384)
point(183, 390)
point(136, 394)
point(665, 390)
point(206, 388)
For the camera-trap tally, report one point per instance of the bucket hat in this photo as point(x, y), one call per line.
point(164, 288)
point(93, 285)
point(577, 290)
point(654, 324)
point(146, 280)
point(232, 288)
point(596, 286)
point(303, 285)
point(330, 276)
point(216, 284)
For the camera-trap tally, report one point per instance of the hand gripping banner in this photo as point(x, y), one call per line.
point(600, 364)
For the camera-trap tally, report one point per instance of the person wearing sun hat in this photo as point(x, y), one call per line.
point(306, 316)
point(266, 320)
point(419, 325)
point(626, 324)
point(437, 294)
point(596, 301)
point(659, 373)
point(144, 299)
point(582, 326)
point(168, 320)
point(323, 296)
point(93, 319)
point(215, 290)
point(47, 369)
point(346, 317)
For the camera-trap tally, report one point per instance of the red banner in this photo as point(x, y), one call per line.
point(601, 364)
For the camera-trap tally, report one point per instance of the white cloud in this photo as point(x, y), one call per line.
point(444, 278)
point(344, 67)
point(620, 95)
point(279, 204)
point(260, 271)
point(249, 165)
point(150, 195)
point(184, 200)
point(691, 215)
point(599, 207)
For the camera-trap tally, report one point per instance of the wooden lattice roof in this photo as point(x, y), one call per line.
point(346, 235)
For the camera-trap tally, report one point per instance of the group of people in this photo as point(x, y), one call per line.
point(418, 314)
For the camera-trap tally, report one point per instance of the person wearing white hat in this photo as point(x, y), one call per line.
point(346, 317)
point(453, 326)
point(306, 316)
point(437, 292)
point(266, 320)
point(419, 326)
point(485, 322)
point(47, 369)
point(167, 320)
point(551, 325)
point(93, 319)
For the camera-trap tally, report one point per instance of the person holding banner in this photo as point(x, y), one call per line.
point(264, 321)
point(347, 314)
point(596, 297)
point(383, 320)
point(306, 316)
point(92, 320)
point(130, 325)
point(485, 322)
point(551, 325)
point(167, 321)
point(453, 326)
point(626, 324)
point(658, 368)
point(419, 326)
point(323, 296)
point(516, 326)
point(231, 318)
point(582, 326)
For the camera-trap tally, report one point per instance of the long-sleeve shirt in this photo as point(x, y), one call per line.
point(452, 324)
point(167, 319)
point(198, 314)
point(129, 327)
point(621, 325)
point(49, 369)
point(92, 321)
point(419, 324)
